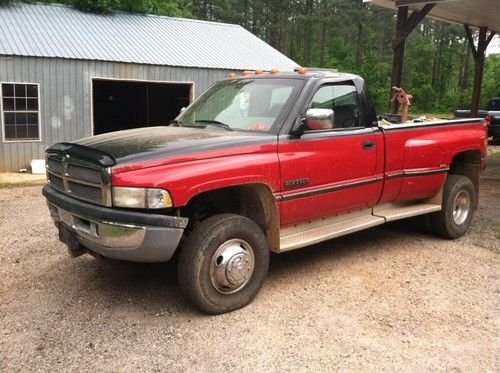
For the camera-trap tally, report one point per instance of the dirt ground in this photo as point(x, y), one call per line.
point(391, 298)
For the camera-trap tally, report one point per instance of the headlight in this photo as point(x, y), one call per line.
point(141, 198)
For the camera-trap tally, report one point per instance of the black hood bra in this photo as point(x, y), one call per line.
point(156, 142)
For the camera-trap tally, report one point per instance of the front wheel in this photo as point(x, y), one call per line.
point(223, 263)
point(454, 219)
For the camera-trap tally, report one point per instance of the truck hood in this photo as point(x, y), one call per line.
point(159, 142)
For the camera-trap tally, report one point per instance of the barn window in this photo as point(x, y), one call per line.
point(20, 112)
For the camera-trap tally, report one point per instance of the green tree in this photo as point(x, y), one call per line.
point(97, 6)
point(491, 79)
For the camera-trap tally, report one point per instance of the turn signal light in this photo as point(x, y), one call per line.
point(259, 72)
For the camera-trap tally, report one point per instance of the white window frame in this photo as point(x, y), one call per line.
point(39, 112)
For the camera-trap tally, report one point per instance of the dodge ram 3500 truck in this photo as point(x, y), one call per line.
point(258, 164)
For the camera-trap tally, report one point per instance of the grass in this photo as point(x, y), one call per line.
point(496, 228)
point(494, 155)
point(22, 184)
point(432, 115)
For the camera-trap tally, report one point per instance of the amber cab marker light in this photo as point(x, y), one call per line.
point(231, 75)
point(245, 73)
point(258, 72)
point(274, 71)
point(302, 71)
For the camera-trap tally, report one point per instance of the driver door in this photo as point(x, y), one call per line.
point(327, 172)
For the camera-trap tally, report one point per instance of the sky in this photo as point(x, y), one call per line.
point(494, 46)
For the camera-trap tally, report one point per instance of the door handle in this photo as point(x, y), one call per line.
point(368, 145)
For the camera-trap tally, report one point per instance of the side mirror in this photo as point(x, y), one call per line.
point(319, 119)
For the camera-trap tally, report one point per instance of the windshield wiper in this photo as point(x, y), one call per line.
point(214, 123)
point(175, 123)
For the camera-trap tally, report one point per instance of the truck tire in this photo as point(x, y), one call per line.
point(454, 219)
point(223, 263)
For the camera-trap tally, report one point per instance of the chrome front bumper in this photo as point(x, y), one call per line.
point(149, 239)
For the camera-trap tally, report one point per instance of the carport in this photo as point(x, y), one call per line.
point(480, 14)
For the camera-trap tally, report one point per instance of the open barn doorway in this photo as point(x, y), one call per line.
point(124, 104)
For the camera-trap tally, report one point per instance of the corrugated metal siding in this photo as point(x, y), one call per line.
point(61, 31)
point(65, 96)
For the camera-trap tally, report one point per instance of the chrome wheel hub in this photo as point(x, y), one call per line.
point(232, 266)
point(461, 207)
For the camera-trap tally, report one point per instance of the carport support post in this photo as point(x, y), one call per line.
point(398, 59)
point(479, 57)
point(404, 26)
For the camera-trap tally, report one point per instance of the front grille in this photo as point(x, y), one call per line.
point(85, 174)
point(56, 181)
point(79, 178)
point(85, 191)
point(55, 166)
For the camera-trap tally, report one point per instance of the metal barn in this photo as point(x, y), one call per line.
point(66, 74)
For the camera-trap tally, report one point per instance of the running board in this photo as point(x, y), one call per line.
point(305, 234)
point(397, 211)
point(309, 233)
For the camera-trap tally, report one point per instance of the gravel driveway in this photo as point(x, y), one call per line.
point(390, 298)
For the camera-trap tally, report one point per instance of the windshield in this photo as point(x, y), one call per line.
point(240, 105)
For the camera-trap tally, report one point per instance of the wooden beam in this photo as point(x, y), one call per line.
point(481, 43)
point(470, 39)
point(478, 71)
point(490, 37)
point(398, 58)
point(412, 22)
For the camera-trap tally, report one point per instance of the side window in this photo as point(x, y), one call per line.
point(343, 100)
point(20, 120)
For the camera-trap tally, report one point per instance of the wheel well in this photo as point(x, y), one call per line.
point(254, 201)
point(468, 164)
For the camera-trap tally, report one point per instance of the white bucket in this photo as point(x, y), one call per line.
point(38, 166)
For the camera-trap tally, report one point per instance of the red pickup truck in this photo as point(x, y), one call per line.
point(258, 164)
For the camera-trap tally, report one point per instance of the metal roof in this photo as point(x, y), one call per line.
point(477, 13)
point(61, 31)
